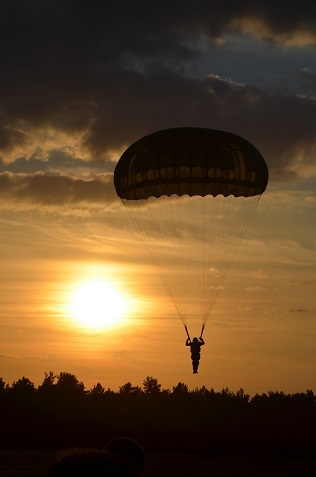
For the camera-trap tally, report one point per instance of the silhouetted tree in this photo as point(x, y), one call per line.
point(69, 385)
point(47, 390)
point(151, 387)
point(97, 390)
point(23, 385)
point(180, 389)
point(70, 397)
point(306, 400)
point(2, 396)
point(60, 412)
point(226, 393)
point(2, 387)
point(202, 392)
point(242, 396)
point(310, 396)
point(48, 381)
point(128, 390)
point(22, 392)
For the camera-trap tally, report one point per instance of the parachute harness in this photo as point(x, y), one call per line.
point(187, 331)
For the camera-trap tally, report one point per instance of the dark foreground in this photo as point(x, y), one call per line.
point(35, 464)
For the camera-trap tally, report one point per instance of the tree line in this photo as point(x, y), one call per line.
point(61, 412)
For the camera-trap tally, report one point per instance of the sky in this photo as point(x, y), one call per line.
point(79, 83)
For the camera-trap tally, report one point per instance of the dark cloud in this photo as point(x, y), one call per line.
point(279, 124)
point(110, 72)
point(56, 190)
point(54, 161)
point(303, 282)
point(296, 310)
point(302, 82)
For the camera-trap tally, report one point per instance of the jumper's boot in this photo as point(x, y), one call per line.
point(195, 367)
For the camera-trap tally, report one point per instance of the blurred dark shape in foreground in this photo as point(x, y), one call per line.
point(92, 463)
point(130, 450)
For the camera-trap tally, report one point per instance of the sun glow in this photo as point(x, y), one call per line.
point(98, 304)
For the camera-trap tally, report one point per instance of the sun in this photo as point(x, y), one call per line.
point(97, 304)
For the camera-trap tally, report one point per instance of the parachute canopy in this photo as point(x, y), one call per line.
point(191, 193)
point(192, 161)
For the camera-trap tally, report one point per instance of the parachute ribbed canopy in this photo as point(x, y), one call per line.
point(190, 161)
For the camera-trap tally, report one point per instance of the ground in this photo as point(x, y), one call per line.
point(35, 464)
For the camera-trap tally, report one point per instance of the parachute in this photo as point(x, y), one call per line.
point(191, 193)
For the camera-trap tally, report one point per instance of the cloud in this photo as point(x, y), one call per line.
point(261, 273)
point(53, 161)
point(286, 23)
point(296, 310)
point(310, 199)
point(17, 356)
point(281, 126)
point(300, 281)
point(256, 289)
point(278, 311)
point(245, 308)
point(56, 190)
point(302, 82)
point(100, 78)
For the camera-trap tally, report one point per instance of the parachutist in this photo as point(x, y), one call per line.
point(195, 348)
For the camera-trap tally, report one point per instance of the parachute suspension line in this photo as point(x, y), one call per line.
point(155, 225)
point(209, 246)
point(167, 251)
point(232, 230)
point(187, 253)
point(139, 215)
point(170, 216)
point(243, 214)
point(217, 250)
point(202, 265)
point(194, 241)
point(192, 256)
point(225, 234)
point(178, 287)
point(187, 230)
point(223, 228)
point(187, 332)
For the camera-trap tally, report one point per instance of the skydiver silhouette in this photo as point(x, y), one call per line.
point(195, 348)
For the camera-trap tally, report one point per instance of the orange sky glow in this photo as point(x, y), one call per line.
point(260, 332)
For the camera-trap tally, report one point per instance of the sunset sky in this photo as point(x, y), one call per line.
point(79, 83)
